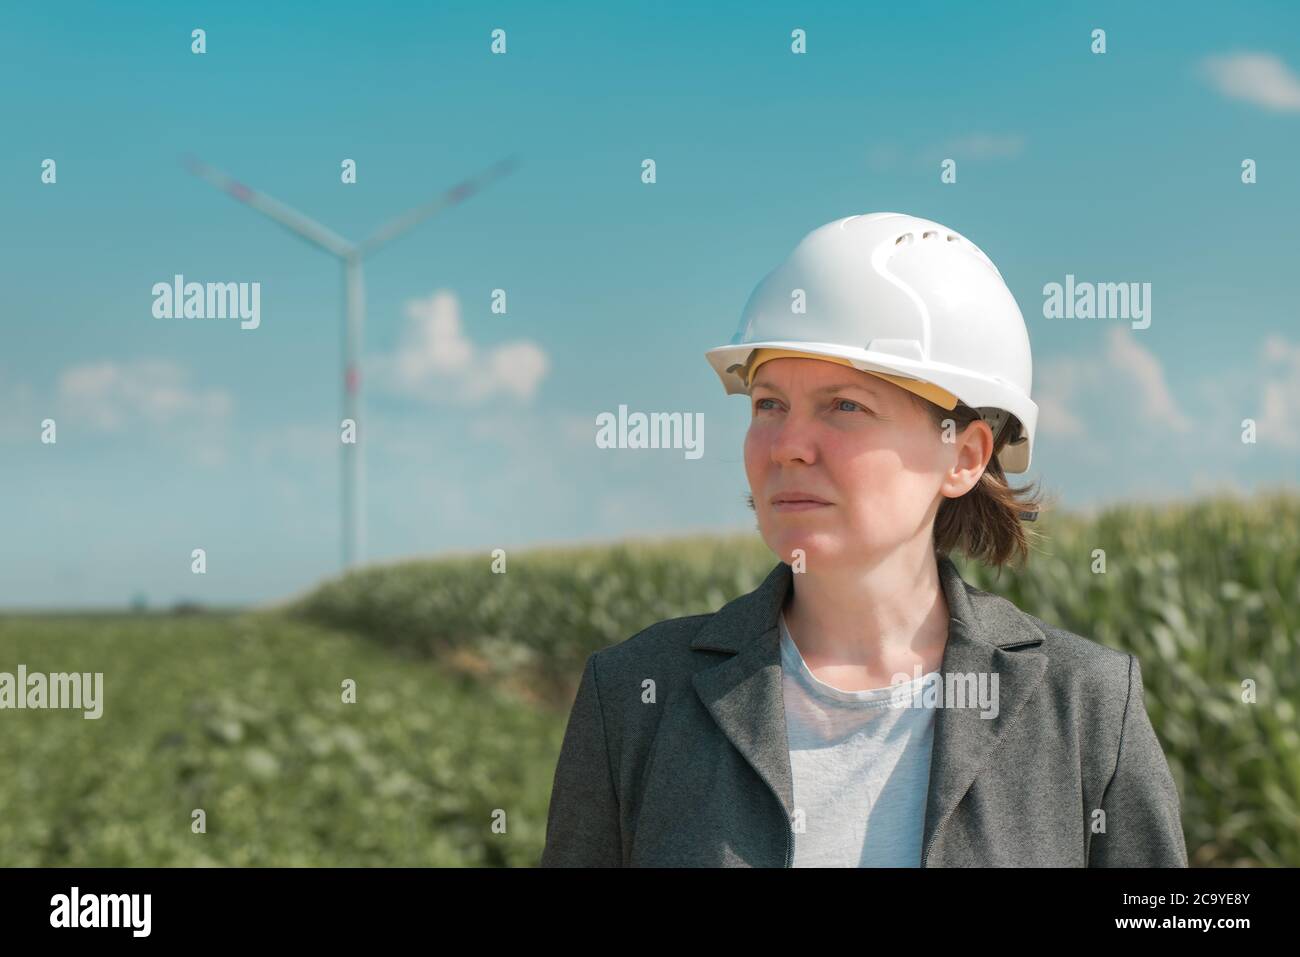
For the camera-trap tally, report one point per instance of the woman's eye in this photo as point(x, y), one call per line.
point(838, 404)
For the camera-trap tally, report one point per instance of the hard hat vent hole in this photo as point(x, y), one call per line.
point(903, 239)
point(929, 235)
point(952, 238)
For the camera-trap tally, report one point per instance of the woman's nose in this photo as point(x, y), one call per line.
point(793, 440)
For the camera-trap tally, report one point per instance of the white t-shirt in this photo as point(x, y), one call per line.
point(861, 768)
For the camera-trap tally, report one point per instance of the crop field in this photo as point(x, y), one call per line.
point(463, 679)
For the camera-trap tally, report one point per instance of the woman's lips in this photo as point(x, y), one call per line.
point(801, 506)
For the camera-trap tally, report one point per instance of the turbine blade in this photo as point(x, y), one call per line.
point(458, 193)
point(291, 219)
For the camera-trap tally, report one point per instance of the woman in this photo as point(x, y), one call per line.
point(864, 706)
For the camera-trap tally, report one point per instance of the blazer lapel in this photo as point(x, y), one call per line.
point(981, 630)
point(743, 692)
point(744, 696)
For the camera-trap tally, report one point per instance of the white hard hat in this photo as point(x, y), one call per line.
point(904, 298)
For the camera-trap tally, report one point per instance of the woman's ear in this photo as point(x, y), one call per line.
point(974, 449)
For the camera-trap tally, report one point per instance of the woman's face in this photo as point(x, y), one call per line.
point(861, 445)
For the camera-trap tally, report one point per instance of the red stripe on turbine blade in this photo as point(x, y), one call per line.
point(352, 379)
point(241, 192)
point(457, 193)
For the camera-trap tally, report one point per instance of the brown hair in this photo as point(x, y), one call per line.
point(985, 524)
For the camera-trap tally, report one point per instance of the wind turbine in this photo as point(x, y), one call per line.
point(354, 309)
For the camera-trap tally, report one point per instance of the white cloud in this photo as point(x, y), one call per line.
point(1277, 349)
point(1069, 389)
point(110, 396)
point(1058, 383)
point(1077, 397)
point(436, 362)
point(1155, 401)
point(1258, 78)
point(1280, 398)
point(1055, 417)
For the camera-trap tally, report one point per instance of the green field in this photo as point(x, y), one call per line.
point(242, 716)
point(464, 678)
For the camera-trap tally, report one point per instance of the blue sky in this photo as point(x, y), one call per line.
point(1118, 167)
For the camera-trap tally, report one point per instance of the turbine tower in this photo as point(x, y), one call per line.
point(354, 307)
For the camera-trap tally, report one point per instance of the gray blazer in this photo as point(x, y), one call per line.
point(675, 753)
